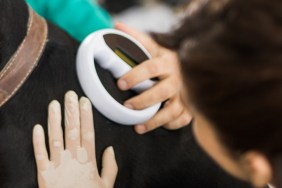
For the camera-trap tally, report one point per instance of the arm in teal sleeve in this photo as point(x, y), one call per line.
point(78, 17)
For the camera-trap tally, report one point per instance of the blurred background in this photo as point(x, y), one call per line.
point(146, 15)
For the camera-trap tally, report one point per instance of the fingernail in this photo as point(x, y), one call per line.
point(71, 99)
point(71, 94)
point(141, 129)
point(85, 104)
point(38, 131)
point(122, 84)
point(128, 105)
point(55, 107)
point(111, 151)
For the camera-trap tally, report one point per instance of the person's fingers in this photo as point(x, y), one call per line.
point(169, 113)
point(55, 132)
point(149, 69)
point(72, 123)
point(109, 167)
point(144, 39)
point(40, 152)
point(184, 119)
point(87, 128)
point(158, 93)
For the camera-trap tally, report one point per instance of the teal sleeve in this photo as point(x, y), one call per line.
point(78, 17)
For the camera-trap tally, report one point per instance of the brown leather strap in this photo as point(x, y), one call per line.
point(22, 63)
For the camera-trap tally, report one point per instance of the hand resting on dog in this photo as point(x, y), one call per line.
point(74, 165)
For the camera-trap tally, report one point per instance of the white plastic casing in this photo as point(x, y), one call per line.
point(94, 46)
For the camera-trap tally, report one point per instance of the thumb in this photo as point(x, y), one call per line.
point(143, 38)
point(109, 167)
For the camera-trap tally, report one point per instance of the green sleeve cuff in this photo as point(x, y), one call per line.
point(78, 17)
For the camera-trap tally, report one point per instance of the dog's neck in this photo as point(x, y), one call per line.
point(12, 29)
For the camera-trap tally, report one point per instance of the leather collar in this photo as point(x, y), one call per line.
point(25, 59)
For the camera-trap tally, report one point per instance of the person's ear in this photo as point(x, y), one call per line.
point(257, 168)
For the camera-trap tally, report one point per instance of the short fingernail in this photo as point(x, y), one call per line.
point(111, 150)
point(71, 99)
point(55, 107)
point(141, 129)
point(85, 104)
point(122, 84)
point(38, 131)
point(128, 105)
point(71, 94)
point(54, 112)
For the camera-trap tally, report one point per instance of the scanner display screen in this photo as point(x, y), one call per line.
point(126, 58)
point(125, 49)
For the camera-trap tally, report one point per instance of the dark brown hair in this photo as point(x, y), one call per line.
point(231, 57)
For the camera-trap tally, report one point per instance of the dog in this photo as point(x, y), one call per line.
point(161, 158)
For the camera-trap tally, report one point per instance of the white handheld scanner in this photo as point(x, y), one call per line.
point(118, 53)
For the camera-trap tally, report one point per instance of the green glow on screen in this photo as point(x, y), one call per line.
point(131, 62)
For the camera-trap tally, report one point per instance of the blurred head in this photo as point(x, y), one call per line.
point(231, 57)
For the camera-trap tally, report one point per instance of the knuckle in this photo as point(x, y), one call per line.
point(139, 104)
point(129, 81)
point(130, 78)
point(153, 68)
point(153, 125)
point(165, 92)
point(176, 110)
point(175, 113)
point(176, 82)
point(170, 126)
point(175, 125)
point(56, 144)
point(186, 119)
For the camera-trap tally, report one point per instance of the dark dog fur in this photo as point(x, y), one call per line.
point(158, 159)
